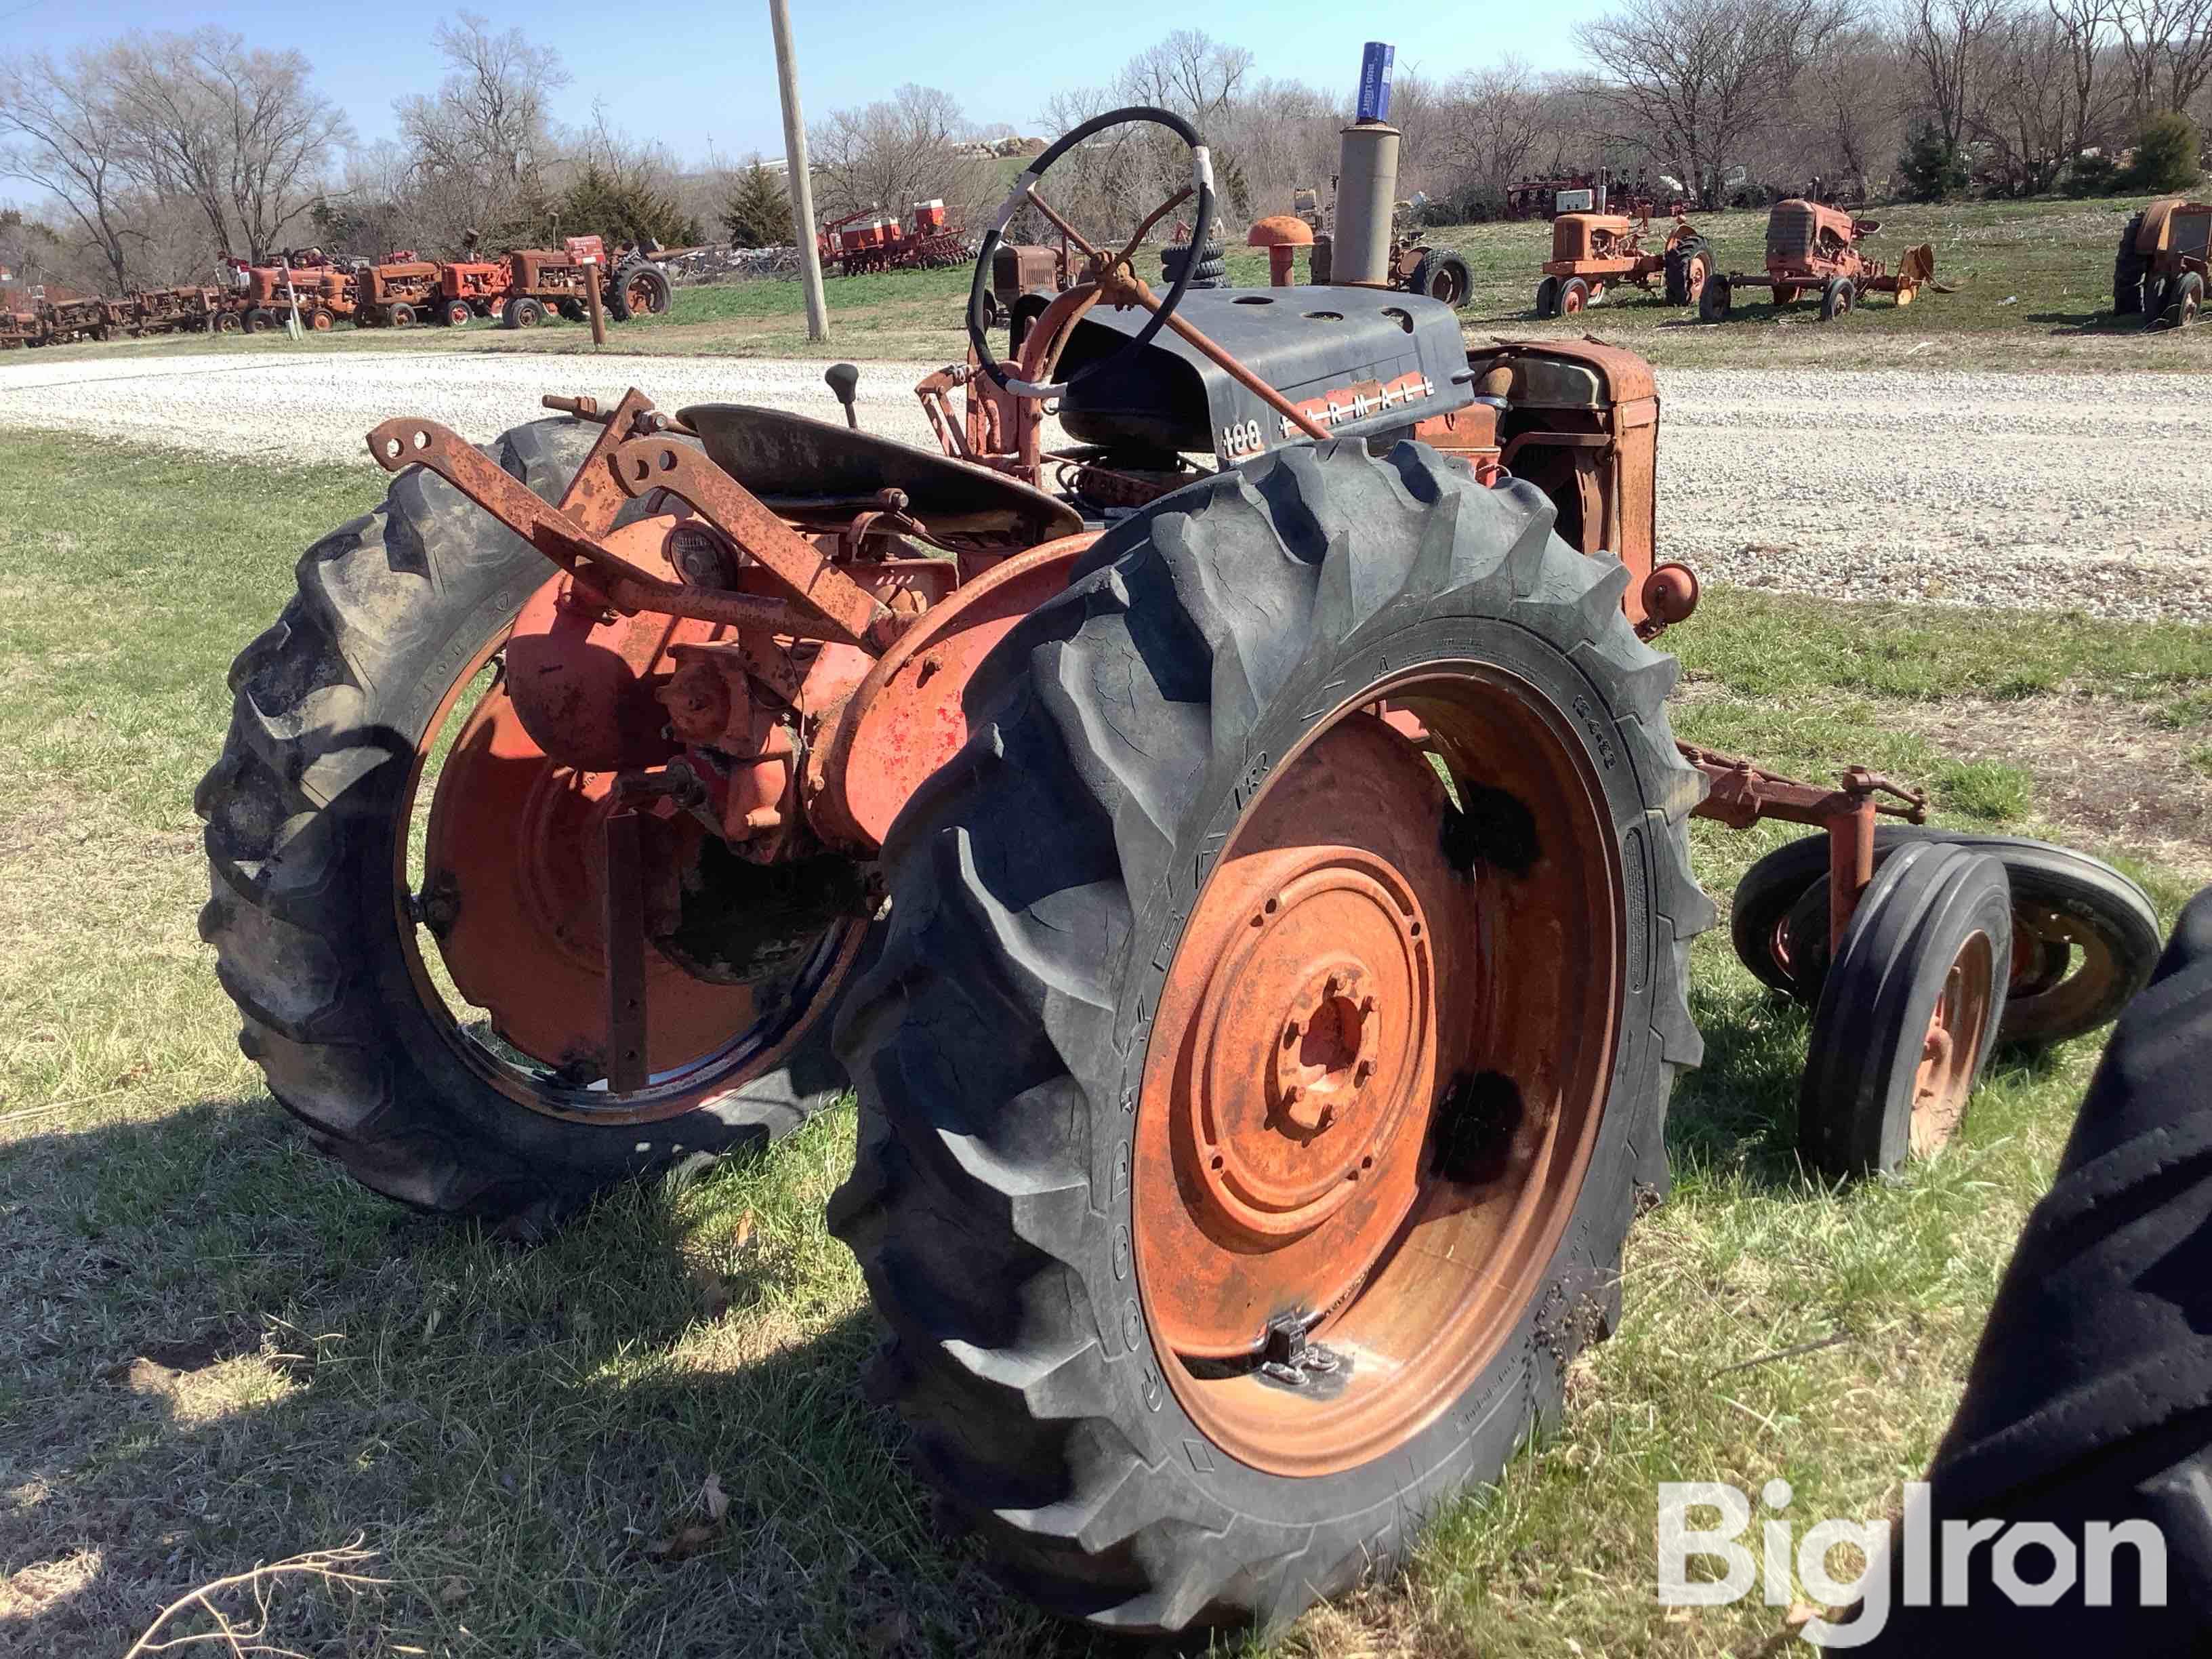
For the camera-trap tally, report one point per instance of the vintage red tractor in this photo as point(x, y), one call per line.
point(539, 280)
point(1592, 251)
point(1811, 246)
point(1257, 927)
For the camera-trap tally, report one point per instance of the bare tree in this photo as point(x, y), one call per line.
point(1497, 117)
point(1847, 127)
point(899, 150)
point(239, 131)
point(2020, 108)
point(61, 119)
point(2165, 53)
point(481, 141)
point(2083, 31)
point(1693, 80)
point(1948, 42)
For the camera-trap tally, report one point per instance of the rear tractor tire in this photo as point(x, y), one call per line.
point(1688, 265)
point(1255, 1092)
point(1442, 274)
point(2129, 267)
point(339, 712)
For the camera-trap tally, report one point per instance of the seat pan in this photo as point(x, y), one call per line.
point(793, 462)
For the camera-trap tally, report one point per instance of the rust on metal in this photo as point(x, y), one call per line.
point(851, 613)
point(907, 718)
point(623, 928)
point(1373, 1083)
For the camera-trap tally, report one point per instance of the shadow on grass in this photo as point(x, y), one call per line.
point(232, 1354)
point(2094, 323)
point(1736, 1115)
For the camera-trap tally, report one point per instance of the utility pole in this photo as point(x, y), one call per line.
point(795, 171)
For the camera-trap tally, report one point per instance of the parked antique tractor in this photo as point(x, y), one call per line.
point(325, 295)
point(1592, 251)
point(88, 317)
point(1248, 886)
point(19, 323)
point(397, 294)
point(1810, 247)
point(2161, 271)
point(469, 288)
point(543, 279)
point(186, 310)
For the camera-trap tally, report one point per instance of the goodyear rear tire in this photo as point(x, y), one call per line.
point(302, 811)
point(1043, 883)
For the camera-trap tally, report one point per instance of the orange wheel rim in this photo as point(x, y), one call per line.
point(703, 1039)
point(1376, 1073)
point(1951, 1046)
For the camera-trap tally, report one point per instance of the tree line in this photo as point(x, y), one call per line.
point(155, 155)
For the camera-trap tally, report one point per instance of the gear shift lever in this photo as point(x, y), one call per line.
point(844, 379)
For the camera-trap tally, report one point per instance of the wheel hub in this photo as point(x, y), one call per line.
point(1323, 987)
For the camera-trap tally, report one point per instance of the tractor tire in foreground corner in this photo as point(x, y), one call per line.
point(326, 952)
point(1179, 1365)
point(2089, 1400)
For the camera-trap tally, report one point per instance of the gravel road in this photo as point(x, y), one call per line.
point(2042, 490)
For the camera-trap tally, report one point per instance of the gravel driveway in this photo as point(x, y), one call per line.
point(2044, 490)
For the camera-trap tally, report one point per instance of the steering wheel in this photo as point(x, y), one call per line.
point(1111, 278)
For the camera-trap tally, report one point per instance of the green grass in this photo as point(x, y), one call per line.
point(2033, 282)
point(219, 1350)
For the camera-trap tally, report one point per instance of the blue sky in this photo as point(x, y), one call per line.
point(689, 73)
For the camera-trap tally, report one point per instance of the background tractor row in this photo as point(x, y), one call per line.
point(1237, 854)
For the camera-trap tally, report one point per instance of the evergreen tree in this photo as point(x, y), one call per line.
point(2165, 155)
point(758, 211)
point(1934, 167)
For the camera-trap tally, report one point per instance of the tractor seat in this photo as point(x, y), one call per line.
point(823, 469)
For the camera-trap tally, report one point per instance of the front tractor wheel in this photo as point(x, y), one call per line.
point(1273, 1035)
point(407, 893)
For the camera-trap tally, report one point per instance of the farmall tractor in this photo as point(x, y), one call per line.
point(2161, 271)
point(1811, 246)
point(1247, 887)
point(1591, 251)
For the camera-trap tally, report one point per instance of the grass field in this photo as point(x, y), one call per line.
point(2033, 282)
point(218, 1351)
